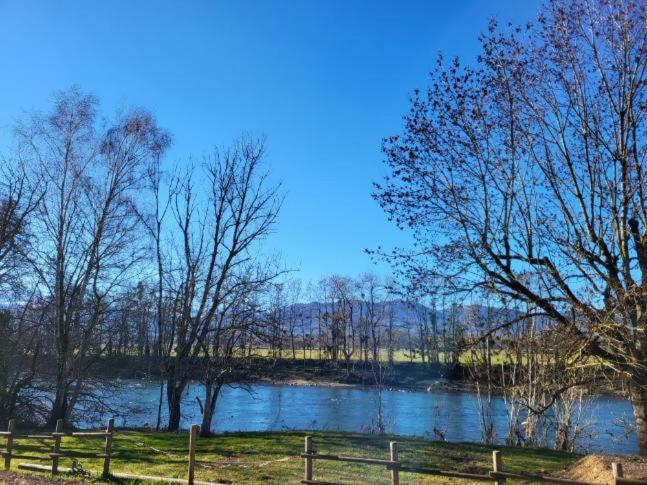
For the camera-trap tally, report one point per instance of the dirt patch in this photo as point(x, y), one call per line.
point(597, 468)
point(26, 479)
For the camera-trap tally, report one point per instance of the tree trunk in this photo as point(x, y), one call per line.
point(159, 406)
point(59, 405)
point(210, 399)
point(8, 406)
point(59, 409)
point(639, 405)
point(174, 393)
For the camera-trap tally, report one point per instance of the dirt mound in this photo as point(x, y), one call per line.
point(597, 468)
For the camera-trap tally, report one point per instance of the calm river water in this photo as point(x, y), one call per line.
point(285, 407)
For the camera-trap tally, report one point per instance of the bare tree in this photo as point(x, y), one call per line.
point(343, 298)
point(294, 316)
point(154, 224)
point(372, 294)
point(218, 237)
point(20, 195)
point(21, 343)
point(238, 318)
point(275, 321)
point(85, 223)
point(426, 321)
point(525, 175)
point(20, 336)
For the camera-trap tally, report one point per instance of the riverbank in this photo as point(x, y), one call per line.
point(413, 376)
point(273, 457)
point(401, 375)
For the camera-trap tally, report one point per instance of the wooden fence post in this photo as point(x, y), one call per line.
point(308, 450)
point(57, 445)
point(193, 437)
point(395, 471)
point(10, 429)
point(616, 468)
point(497, 466)
point(107, 451)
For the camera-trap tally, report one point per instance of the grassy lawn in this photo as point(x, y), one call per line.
point(272, 457)
point(399, 356)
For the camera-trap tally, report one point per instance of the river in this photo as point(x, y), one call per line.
point(293, 407)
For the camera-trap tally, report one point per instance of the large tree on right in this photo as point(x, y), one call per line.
point(524, 174)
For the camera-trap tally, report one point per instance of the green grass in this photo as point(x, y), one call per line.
point(399, 356)
point(272, 457)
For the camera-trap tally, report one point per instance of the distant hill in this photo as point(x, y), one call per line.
point(408, 315)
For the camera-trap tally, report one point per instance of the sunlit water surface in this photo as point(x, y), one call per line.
point(288, 407)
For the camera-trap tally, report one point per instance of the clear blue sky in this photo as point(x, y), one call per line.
point(324, 80)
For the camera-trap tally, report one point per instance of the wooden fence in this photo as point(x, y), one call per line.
point(57, 453)
point(392, 464)
point(395, 467)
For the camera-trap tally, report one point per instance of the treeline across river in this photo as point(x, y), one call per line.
point(310, 371)
point(400, 375)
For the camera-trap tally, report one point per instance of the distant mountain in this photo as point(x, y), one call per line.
point(407, 315)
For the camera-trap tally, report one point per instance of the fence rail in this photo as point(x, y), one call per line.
point(57, 453)
point(496, 475)
point(11, 437)
point(392, 464)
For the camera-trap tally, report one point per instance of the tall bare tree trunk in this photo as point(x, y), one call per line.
point(174, 391)
point(212, 392)
point(59, 406)
point(638, 397)
point(159, 406)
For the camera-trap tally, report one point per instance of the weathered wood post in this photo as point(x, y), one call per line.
point(193, 437)
point(308, 450)
point(10, 429)
point(57, 445)
point(395, 470)
point(616, 468)
point(497, 466)
point(107, 450)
